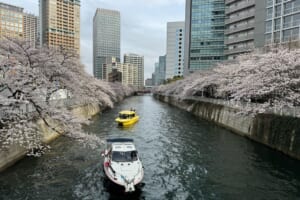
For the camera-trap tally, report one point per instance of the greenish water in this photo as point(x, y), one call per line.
point(184, 158)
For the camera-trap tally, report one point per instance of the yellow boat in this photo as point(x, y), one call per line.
point(127, 118)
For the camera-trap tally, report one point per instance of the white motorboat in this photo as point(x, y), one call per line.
point(121, 163)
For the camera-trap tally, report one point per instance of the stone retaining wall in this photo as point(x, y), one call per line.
point(278, 132)
point(15, 152)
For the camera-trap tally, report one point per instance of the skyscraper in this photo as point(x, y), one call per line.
point(175, 49)
point(30, 24)
point(106, 38)
point(137, 61)
point(282, 22)
point(162, 68)
point(60, 23)
point(204, 34)
point(11, 21)
point(158, 77)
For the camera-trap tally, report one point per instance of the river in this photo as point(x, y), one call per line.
point(184, 158)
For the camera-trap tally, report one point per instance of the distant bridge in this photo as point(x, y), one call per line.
point(143, 92)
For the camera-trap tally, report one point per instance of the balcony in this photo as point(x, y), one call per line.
point(239, 18)
point(237, 51)
point(239, 7)
point(239, 29)
point(230, 1)
point(239, 39)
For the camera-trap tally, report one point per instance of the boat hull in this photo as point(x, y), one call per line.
point(118, 185)
point(127, 122)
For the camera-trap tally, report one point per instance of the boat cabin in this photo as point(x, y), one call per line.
point(126, 114)
point(123, 152)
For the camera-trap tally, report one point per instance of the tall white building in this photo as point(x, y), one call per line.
point(175, 49)
point(106, 38)
point(138, 61)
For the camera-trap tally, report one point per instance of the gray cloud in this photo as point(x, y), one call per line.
point(143, 26)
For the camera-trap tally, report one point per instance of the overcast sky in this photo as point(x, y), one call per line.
point(143, 26)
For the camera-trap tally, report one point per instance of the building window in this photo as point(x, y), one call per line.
point(268, 38)
point(278, 11)
point(269, 13)
point(291, 34)
point(277, 37)
point(268, 26)
point(269, 3)
point(296, 19)
point(288, 8)
point(277, 24)
point(287, 22)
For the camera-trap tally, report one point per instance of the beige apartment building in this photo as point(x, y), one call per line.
point(130, 72)
point(11, 24)
point(60, 23)
point(30, 24)
point(136, 62)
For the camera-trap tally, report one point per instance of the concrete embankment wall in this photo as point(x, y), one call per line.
point(16, 152)
point(278, 132)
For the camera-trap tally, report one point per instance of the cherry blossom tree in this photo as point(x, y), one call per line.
point(270, 79)
point(29, 78)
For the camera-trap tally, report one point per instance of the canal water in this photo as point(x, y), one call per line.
point(184, 158)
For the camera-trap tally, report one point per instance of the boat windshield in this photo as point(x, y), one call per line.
point(124, 156)
point(123, 116)
point(126, 116)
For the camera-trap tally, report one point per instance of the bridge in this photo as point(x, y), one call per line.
point(143, 92)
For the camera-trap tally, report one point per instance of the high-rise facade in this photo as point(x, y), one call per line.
point(11, 18)
point(129, 74)
point(138, 61)
point(244, 26)
point(240, 25)
point(282, 22)
point(162, 69)
point(156, 74)
point(204, 34)
point(175, 50)
point(159, 71)
point(148, 82)
point(60, 24)
point(106, 38)
point(30, 24)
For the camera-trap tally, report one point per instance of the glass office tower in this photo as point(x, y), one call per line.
point(106, 39)
point(282, 22)
point(204, 38)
